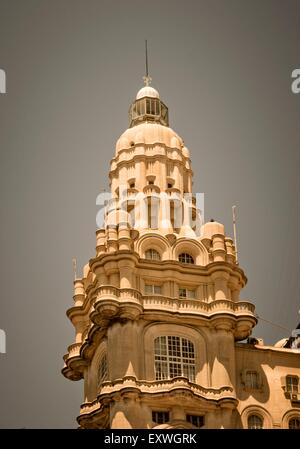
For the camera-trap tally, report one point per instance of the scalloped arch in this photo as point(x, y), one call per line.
point(292, 413)
point(196, 249)
point(256, 410)
point(154, 241)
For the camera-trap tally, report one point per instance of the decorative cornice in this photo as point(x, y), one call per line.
point(167, 155)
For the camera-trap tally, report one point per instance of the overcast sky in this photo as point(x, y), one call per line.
point(73, 68)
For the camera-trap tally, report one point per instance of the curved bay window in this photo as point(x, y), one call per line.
point(173, 357)
point(148, 109)
point(186, 258)
point(255, 422)
point(152, 254)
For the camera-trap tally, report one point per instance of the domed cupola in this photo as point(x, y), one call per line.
point(148, 107)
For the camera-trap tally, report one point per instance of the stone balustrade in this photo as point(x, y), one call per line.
point(165, 303)
point(158, 387)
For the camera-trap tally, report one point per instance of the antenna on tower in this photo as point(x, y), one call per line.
point(74, 268)
point(147, 79)
point(146, 52)
point(234, 232)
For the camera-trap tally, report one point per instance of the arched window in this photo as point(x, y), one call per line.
point(103, 370)
point(294, 423)
point(186, 258)
point(255, 422)
point(152, 254)
point(174, 356)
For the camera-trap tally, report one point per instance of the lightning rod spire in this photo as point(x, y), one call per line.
point(147, 79)
point(234, 232)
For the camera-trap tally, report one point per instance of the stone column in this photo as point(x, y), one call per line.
point(218, 251)
point(222, 352)
point(125, 349)
point(126, 269)
point(141, 211)
point(127, 412)
point(177, 176)
point(114, 279)
point(140, 174)
point(124, 237)
point(112, 241)
point(164, 213)
point(79, 293)
point(100, 241)
point(220, 279)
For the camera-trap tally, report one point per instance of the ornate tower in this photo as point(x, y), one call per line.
point(157, 311)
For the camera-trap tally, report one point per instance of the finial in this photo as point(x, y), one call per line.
point(147, 79)
point(234, 232)
point(74, 268)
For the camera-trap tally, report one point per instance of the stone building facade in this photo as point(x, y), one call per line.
point(158, 317)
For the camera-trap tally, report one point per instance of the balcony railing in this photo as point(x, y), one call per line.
point(166, 303)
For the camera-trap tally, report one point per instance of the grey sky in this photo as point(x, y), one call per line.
point(73, 67)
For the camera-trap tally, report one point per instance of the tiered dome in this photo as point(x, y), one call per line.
point(149, 134)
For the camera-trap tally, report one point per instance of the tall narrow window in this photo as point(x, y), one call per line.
point(174, 356)
point(103, 370)
point(252, 379)
point(292, 383)
point(186, 258)
point(255, 422)
point(152, 254)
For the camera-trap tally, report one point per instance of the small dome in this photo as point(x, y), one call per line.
point(147, 91)
point(212, 228)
